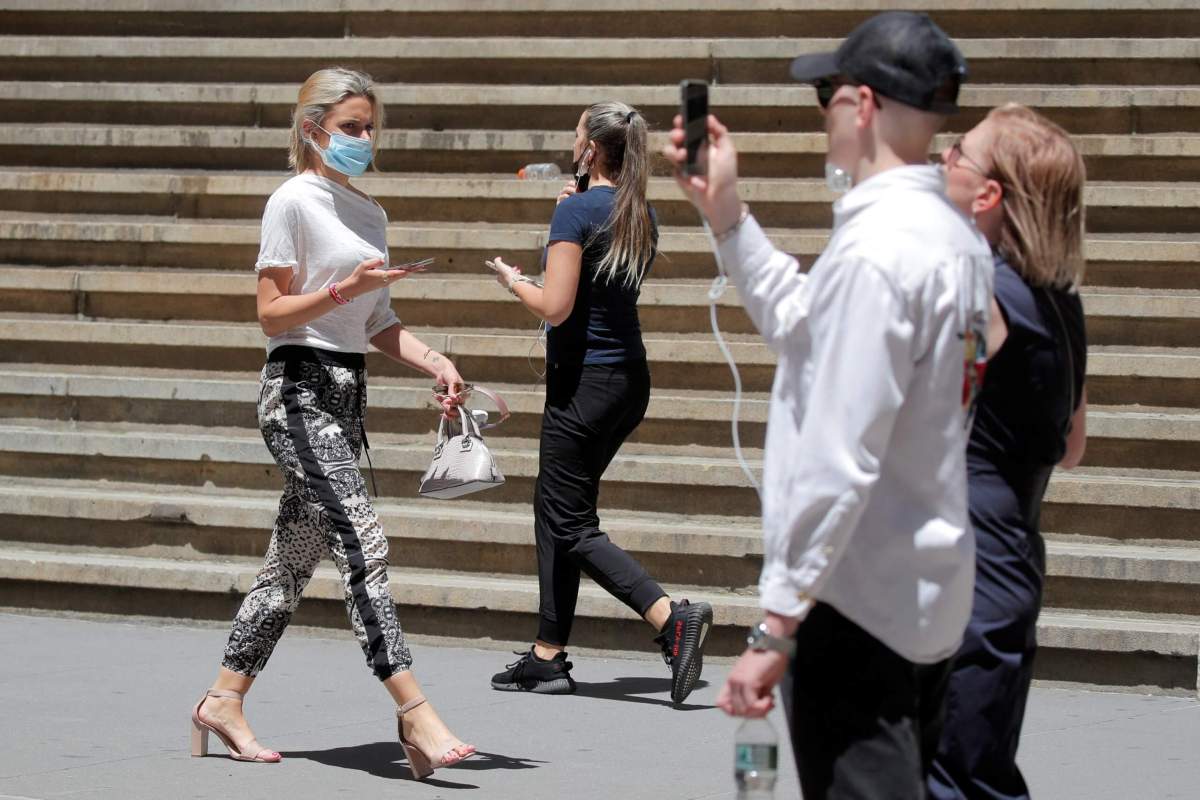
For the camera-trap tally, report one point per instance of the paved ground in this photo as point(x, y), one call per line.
point(96, 708)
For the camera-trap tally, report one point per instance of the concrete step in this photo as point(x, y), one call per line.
point(1145, 651)
point(1114, 157)
point(661, 478)
point(1112, 206)
point(497, 59)
point(1133, 437)
point(437, 107)
point(1117, 375)
point(148, 520)
point(624, 18)
point(1154, 260)
point(1148, 652)
point(428, 601)
point(197, 524)
point(1114, 503)
point(1123, 577)
point(1149, 318)
point(1139, 506)
point(397, 405)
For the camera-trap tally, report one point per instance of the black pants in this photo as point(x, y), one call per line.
point(590, 410)
point(992, 670)
point(864, 721)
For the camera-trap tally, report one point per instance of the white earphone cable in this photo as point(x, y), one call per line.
point(718, 287)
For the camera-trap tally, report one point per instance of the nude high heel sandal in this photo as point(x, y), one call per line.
point(420, 764)
point(201, 729)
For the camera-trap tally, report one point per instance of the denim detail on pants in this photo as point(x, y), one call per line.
point(865, 721)
point(310, 412)
point(590, 410)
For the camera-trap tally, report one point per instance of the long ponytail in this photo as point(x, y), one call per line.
point(620, 130)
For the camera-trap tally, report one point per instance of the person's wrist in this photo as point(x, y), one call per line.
point(724, 211)
point(348, 288)
point(779, 625)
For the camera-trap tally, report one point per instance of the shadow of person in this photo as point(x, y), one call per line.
point(386, 760)
point(628, 689)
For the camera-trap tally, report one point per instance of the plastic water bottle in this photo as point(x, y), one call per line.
point(539, 172)
point(755, 759)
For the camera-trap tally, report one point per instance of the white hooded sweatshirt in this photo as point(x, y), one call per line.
point(865, 486)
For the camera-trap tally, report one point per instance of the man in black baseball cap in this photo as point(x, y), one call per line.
point(899, 54)
point(868, 558)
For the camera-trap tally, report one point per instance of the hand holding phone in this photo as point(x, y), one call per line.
point(693, 107)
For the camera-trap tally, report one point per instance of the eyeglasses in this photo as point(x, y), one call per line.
point(827, 87)
point(957, 155)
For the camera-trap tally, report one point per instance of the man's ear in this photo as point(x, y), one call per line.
point(866, 107)
point(989, 196)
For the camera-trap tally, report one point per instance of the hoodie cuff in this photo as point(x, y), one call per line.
point(779, 596)
point(747, 245)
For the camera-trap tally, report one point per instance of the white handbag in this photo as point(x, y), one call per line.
point(462, 463)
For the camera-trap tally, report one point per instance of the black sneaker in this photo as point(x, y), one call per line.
point(682, 641)
point(531, 674)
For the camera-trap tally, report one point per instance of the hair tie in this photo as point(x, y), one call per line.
point(629, 117)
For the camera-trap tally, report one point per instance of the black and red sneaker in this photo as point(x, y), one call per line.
point(532, 674)
point(682, 641)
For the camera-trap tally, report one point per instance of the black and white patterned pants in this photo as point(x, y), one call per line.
point(310, 411)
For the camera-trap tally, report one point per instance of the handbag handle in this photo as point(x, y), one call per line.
point(500, 404)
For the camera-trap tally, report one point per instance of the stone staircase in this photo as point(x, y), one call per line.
point(139, 140)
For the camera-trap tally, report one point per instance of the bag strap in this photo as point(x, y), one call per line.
point(500, 404)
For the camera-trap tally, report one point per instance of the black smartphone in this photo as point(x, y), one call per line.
point(582, 176)
point(693, 107)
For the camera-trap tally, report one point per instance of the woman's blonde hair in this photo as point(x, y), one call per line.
point(1042, 175)
point(323, 90)
point(620, 131)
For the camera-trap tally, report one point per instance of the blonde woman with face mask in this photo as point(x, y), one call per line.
point(1019, 177)
point(323, 278)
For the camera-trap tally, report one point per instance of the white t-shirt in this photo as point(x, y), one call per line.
point(323, 230)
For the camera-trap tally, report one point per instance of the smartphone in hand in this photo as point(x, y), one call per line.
point(415, 266)
point(693, 107)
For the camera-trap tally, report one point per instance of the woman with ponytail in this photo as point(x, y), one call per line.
point(601, 244)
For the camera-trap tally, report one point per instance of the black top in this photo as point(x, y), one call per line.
point(1031, 389)
point(603, 327)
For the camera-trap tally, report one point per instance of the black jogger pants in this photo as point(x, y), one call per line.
point(590, 410)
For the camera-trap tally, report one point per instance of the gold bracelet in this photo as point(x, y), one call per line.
point(742, 217)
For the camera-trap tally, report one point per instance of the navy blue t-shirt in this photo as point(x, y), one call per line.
point(1031, 389)
point(603, 327)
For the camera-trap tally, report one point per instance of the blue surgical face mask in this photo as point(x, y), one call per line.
point(345, 154)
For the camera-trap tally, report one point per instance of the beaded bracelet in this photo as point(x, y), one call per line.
point(512, 287)
point(337, 297)
point(742, 217)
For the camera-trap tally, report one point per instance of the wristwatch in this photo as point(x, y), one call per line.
point(761, 639)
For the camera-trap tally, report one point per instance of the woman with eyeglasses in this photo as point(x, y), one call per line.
point(323, 278)
point(1019, 177)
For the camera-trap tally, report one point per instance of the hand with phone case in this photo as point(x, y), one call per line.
point(711, 184)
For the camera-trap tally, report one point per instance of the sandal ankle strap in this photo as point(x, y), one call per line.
point(410, 705)
point(226, 693)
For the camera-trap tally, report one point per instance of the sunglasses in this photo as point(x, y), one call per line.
point(827, 87)
point(957, 155)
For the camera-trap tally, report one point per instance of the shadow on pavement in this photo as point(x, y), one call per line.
point(628, 689)
point(386, 760)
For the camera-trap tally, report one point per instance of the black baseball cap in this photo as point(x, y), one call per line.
point(900, 54)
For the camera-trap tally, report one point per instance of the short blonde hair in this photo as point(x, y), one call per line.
point(323, 90)
point(1042, 175)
